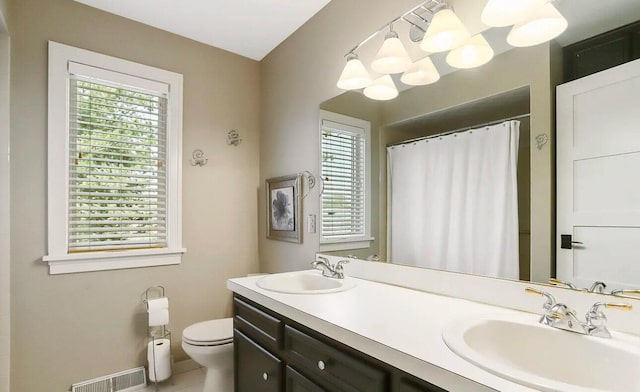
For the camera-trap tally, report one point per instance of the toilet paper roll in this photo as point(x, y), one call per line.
point(158, 317)
point(159, 358)
point(158, 303)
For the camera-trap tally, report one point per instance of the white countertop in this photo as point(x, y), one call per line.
point(399, 326)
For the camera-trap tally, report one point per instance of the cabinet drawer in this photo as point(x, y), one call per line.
point(296, 382)
point(256, 368)
point(257, 324)
point(343, 371)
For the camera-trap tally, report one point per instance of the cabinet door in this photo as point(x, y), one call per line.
point(296, 382)
point(255, 368)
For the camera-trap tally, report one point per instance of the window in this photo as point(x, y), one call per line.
point(345, 205)
point(114, 163)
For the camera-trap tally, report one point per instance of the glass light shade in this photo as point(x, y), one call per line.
point(382, 89)
point(543, 25)
point(445, 32)
point(392, 57)
point(354, 75)
point(420, 73)
point(498, 13)
point(473, 53)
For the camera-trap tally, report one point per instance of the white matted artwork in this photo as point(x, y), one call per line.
point(283, 208)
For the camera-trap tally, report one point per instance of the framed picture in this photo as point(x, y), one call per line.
point(283, 208)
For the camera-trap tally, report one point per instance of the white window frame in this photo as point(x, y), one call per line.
point(60, 261)
point(362, 242)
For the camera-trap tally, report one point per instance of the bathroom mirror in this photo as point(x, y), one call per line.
point(518, 83)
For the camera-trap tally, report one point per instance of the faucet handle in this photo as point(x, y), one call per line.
point(558, 282)
point(339, 271)
point(619, 306)
point(595, 317)
point(624, 292)
point(550, 299)
point(338, 265)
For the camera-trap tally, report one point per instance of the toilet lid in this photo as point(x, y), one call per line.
point(209, 332)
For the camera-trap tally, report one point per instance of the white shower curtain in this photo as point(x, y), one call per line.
point(453, 202)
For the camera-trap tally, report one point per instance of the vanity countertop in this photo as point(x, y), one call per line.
point(400, 326)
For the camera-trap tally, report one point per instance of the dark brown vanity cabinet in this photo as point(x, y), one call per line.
point(274, 354)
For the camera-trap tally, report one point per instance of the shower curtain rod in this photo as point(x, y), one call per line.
point(460, 130)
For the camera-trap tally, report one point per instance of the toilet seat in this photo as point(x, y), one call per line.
point(209, 333)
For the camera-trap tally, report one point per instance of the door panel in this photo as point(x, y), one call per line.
point(603, 116)
point(608, 254)
point(605, 184)
point(598, 177)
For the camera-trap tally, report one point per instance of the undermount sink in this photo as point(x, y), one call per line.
point(547, 359)
point(304, 282)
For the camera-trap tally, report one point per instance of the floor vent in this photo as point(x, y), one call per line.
point(126, 381)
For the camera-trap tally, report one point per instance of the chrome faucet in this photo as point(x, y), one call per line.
point(558, 315)
point(329, 270)
point(598, 287)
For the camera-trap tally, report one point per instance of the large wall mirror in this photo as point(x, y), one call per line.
point(518, 84)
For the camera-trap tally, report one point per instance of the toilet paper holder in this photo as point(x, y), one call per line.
point(160, 293)
point(156, 333)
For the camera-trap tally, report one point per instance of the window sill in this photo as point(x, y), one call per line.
point(104, 261)
point(344, 244)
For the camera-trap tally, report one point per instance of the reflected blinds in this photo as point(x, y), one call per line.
point(117, 171)
point(343, 172)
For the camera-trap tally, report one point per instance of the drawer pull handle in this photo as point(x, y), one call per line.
point(321, 365)
point(265, 376)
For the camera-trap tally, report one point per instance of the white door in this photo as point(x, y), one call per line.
point(598, 178)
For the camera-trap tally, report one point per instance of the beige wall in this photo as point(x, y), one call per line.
point(5, 265)
point(301, 73)
point(68, 328)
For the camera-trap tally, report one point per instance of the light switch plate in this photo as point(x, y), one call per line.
point(311, 223)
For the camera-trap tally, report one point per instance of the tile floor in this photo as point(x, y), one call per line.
point(192, 381)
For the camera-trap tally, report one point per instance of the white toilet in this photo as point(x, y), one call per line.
point(210, 344)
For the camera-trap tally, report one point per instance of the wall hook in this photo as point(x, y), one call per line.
point(310, 181)
point(198, 158)
point(233, 138)
point(541, 140)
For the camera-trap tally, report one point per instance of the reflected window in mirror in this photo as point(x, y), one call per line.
point(345, 207)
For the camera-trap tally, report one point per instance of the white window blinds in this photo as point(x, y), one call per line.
point(343, 172)
point(117, 163)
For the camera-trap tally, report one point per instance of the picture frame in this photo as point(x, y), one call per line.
point(284, 211)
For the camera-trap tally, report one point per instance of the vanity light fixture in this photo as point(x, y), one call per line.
point(543, 25)
point(473, 53)
point(445, 31)
point(534, 22)
point(420, 73)
point(392, 57)
point(500, 13)
point(382, 89)
point(354, 75)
